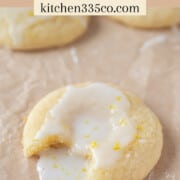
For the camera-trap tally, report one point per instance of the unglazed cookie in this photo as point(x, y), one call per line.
point(20, 29)
point(155, 18)
point(92, 132)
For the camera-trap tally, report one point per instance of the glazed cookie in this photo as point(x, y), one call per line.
point(155, 18)
point(92, 131)
point(19, 29)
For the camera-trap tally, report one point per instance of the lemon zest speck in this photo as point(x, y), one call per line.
point(62, 169)
point(86, 121)
point(84, 169)
point(136, 137)
point(123, 122)
point(86, 136)
point(116, 147)
point(118, 98)
point(112, 107)
point(94, 144)
point(55, 166)
point(139, 128)
point(30, 13)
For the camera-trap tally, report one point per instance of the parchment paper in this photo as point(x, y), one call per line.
point(144, 62)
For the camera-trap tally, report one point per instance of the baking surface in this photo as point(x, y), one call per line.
point(144, 62)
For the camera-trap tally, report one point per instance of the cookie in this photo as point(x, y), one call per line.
point(21, 30)
point(155, 18)
point(93, 131)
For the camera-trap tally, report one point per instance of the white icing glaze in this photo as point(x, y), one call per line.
point(95, 119)
point(59, 164)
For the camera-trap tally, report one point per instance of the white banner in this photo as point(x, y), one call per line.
point(89, 7)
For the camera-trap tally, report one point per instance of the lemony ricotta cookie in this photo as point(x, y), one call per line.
point(20, 29)
point(92, 131)
point(155, 18)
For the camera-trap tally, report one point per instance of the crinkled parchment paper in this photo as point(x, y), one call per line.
point(144, 62)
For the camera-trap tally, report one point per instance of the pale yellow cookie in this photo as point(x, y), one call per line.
point(130, 159)
point(155, 18)
point(20, 29)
